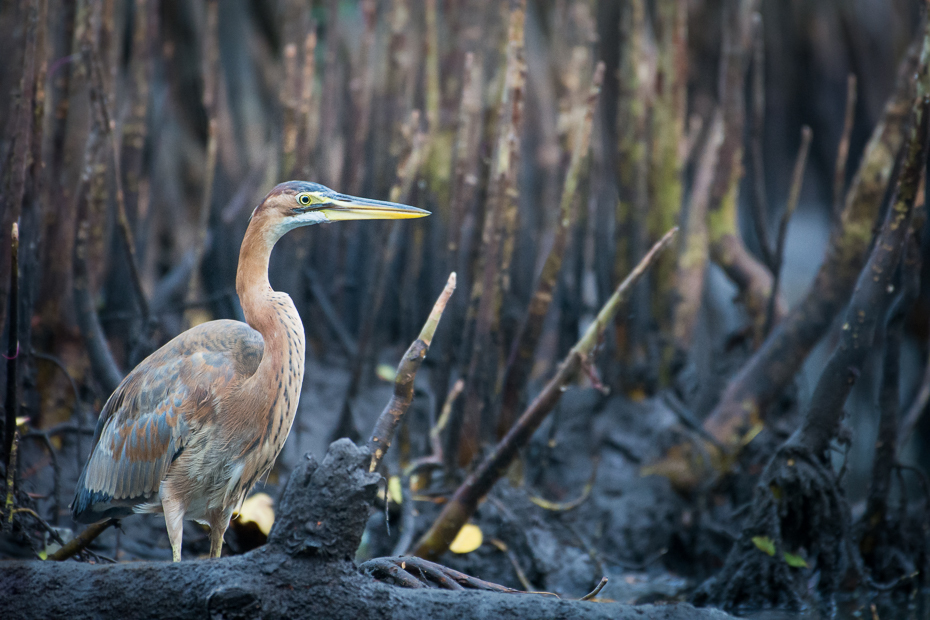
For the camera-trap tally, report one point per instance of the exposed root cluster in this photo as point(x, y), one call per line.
point(799, 527)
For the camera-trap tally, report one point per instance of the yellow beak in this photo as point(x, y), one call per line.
point(341, 207)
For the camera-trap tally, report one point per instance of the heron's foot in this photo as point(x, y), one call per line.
point(414, 572)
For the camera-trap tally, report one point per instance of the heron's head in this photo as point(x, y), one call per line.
point(299, 203)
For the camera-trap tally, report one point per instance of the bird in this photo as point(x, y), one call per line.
point(190, 430)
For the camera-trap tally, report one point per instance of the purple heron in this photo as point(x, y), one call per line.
point(191, 429)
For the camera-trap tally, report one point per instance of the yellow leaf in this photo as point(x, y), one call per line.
point(22, 423)
point(259, 510)
point(765, 544)
point(395, 491)
point(386, 372)
point(468, 539)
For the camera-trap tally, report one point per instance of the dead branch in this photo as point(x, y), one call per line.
point(842, 150)
point(466, 498)
point(873, 289)
point(797, 178)
point(770, 369)
point(11, 405)
point(760, 209)
point(82, 540)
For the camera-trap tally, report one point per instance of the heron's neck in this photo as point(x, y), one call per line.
point(252, 275)
point(271, 314)
point(273, 390)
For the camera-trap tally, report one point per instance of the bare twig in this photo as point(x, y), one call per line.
point(80, 542)
point(400, 569)
point(465, 501)
point(597, 590)
point(462, 219)
point(575, 503)
point(797, 178)
point(467, 142)
point(760, 199)
point(11, 406)
point(393, 413)
point(842, 151)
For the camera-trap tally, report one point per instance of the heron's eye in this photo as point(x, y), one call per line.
point(304, 199)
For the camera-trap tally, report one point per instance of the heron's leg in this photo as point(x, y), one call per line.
point(219, 521)
point(174, 519)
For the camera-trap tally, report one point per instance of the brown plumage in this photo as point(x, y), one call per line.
point(191, 429)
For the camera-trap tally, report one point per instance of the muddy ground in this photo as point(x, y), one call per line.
point(604, 517)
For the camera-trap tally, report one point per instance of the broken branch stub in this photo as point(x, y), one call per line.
point(393, 413)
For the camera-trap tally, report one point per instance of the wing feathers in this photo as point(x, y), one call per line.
point(151, 416)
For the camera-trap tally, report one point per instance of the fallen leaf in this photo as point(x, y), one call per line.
point(259, 510)
point(467, 540)
point(765, 544)
point(794, 561)
point(395, 491)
